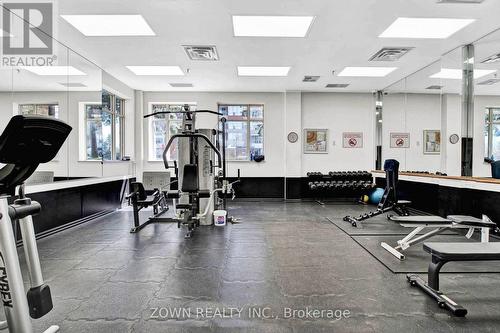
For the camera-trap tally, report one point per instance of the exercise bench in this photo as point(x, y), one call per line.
point(438, 225)
point(156, 183)
point(446, 252)
point(389, 201)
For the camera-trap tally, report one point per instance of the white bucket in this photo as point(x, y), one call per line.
point(220, 218)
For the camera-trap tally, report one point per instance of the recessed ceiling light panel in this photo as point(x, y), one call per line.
point(53, 70)
point(456, 74)
point(434, 28)
point(367, 71)
point(271, 26)
point(201, 52)
point(262, 71)
point(156, 70)
point(110, 25)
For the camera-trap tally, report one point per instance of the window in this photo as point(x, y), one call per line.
point(162, 126)
point(245, 131)
point(492, 133)
point(105, 128)
point(49, 109)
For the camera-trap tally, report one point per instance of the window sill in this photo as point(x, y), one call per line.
point(105, 161)
point(244, 161)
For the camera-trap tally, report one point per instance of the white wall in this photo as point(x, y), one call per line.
point(284, 112)
point(273, 166)
point(339, 112)
point(293, 123)
point(451, 123)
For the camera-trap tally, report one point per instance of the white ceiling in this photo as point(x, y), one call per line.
point(344, 33)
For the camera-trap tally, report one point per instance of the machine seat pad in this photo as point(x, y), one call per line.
point(173, 194)
point(404, 202)
point(471, 221)
point(464, 251)
point(204, 193)
point(184, 206)
point(424, 219)
point(150, 199)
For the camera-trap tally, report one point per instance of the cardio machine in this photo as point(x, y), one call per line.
point(200, 170)
point(26, 142)
point(389, 199)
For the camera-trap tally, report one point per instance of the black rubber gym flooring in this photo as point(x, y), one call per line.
point(282, 258)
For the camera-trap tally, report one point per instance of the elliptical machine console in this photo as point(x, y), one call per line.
point(26, 142)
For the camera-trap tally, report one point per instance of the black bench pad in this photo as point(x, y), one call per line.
point(150, 199)
point(471, 221)
point(464, 251)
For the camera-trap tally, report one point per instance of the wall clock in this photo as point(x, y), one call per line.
point(454, 138)
point(293, 137)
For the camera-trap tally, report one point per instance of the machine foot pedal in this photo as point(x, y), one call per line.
point(39, 301)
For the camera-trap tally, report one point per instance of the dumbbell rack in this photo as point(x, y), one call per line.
point(338, 184)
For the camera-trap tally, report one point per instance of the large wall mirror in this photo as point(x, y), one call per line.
point(486, 104)
point(437, 120)
point(62, 90)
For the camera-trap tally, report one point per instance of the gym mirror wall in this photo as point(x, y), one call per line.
point(428, 108)
point(62, 91)
point(486, 104)
point(411, 122)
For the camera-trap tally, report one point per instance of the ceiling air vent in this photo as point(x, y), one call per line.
point(390, 53)
point(181, 85)
point(434, 87)
point(491, 59)
point(72, 84)
point(201, 52)
point(310, 78)
point(337, 85)
point(489, 82)
point(459, 1)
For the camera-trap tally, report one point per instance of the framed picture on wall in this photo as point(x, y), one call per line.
point(400, 140)
point(316, 141)
point(352, 140)
point(432, 141)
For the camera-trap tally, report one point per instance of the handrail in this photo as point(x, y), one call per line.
point(190, 135)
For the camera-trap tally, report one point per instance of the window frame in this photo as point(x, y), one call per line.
point(35, 105)
point(248, 121)
point(166, 134)
point(114, 115)
point(489, 123)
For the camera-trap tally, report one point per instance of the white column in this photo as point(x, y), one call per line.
point(140, 154)
point(451, 123)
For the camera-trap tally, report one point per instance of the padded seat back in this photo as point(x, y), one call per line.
point(495, 169)
point(190, 178)
point(139, 188)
